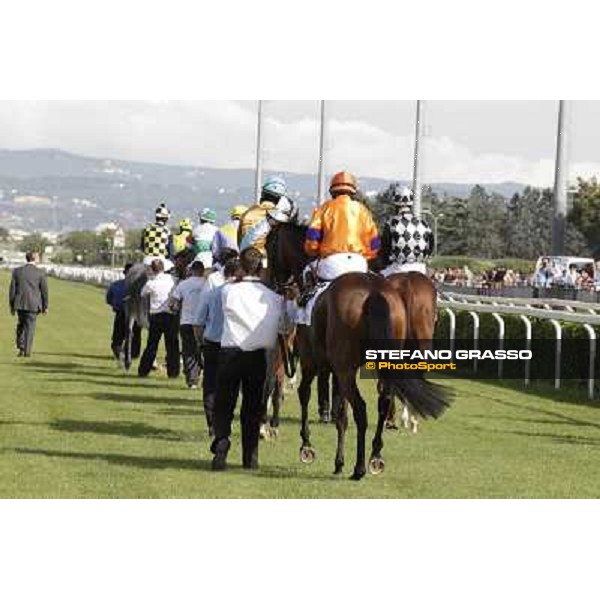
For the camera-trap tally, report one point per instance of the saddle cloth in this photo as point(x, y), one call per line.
point(328, 269)
point(304, 313)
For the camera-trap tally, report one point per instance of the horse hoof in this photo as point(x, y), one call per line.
point(357, 475)
point(376, 465)
point(307, 455)
point(338, 469)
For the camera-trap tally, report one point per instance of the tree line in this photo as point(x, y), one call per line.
point(489, 225)
point(482, 225)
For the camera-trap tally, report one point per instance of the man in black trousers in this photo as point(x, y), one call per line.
point(115, 297)
point(163, 322)
point(251, 318)
point(28, 296)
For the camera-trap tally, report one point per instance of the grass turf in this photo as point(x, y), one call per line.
point(72, 425)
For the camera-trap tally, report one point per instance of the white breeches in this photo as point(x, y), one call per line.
point(404, 268)
point(335, 265)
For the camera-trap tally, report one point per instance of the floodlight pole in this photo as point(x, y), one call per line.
point(560, 182)
point(417, 163)
point(321, 178)
point(258, 175)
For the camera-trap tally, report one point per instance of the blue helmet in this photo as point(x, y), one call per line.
point(274, 187)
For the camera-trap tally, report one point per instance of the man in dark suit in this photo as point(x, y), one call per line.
point(28, 297)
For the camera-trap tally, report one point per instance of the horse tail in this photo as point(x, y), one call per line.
point(425, 398)
point(379, 321)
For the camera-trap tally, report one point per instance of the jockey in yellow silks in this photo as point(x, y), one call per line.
point(182, 240)
point(342, 233)
point(254, 227)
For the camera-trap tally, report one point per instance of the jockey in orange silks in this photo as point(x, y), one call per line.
point(342, 233)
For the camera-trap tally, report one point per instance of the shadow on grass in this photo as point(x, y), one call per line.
point(124, 460)
point(123, 428)
point(562, 418)
point(55, 367)
point(181, 412)
point(136, 399)
point(148, 462)
point(124, 383)
point(279, 472)
point(553, 437)
point(78, 355)
point(570, 392)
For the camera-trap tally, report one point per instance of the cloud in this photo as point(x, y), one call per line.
point(222, 134)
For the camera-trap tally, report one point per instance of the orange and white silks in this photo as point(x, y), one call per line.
point(342, 225)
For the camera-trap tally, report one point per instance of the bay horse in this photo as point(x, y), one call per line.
point(420, 296)
point(355, 308)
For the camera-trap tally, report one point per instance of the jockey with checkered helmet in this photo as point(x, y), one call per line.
point(406, 240)
point(156, 237)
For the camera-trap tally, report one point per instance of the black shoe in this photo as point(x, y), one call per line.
point(21, 354)
point(220, 448)
point(219, 462)
point(250, 461)
point(251, 464)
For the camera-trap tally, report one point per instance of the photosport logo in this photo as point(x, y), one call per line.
point(483, 359)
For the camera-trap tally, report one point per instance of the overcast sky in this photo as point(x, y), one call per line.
point(466, 141)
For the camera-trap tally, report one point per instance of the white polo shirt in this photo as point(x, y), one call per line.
point(189, 293)
point(159, 289)
point(252, 314)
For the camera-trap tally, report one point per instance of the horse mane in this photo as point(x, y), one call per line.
point(294, 234)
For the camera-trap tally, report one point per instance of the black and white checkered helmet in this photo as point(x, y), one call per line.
point(411, 239)
point(403, 197)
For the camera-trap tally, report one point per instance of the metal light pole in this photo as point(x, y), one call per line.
point(321, 178)
point(259, 153)
point(560, 182)
point(417, 165)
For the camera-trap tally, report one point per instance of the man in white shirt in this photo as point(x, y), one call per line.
point(211, 332)
point(251, 319)
point(162, 321)
point(186, 298)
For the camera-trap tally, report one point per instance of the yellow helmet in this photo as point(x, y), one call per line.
point(185, 225)
point(238, 211)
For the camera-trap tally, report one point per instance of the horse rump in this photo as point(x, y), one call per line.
point(423, 397)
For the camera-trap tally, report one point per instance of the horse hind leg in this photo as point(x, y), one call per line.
point(277, 399)
point(341, 423)
point(307, 453)
point(349, 390)
point(376, 463)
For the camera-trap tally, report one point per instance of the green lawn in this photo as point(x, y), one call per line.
point(72, 425)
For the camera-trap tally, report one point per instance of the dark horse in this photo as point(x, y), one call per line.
point(357, 307)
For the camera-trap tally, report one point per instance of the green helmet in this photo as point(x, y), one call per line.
point(208, 215)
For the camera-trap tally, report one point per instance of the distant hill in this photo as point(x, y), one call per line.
point(54, 190)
